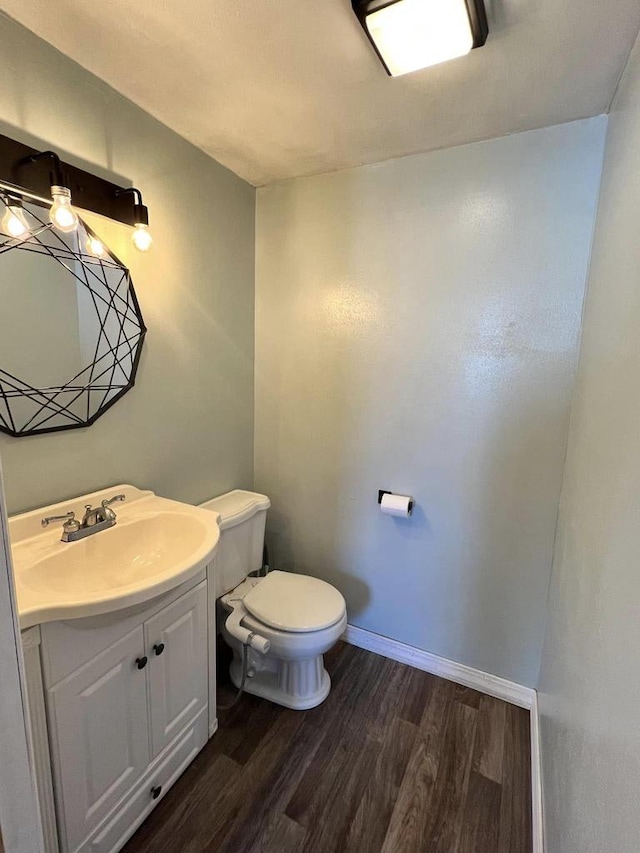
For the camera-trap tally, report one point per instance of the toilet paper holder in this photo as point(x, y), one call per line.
point(382, 492)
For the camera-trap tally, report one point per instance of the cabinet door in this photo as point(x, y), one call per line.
point(100, 738)
point(176, 642)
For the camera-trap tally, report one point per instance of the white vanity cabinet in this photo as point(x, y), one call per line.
point(126, 699)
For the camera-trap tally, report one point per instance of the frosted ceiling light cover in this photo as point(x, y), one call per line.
point(413, 34)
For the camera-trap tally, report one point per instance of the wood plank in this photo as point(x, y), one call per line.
point(338, 753)
point(443, 830)
point(489, 746)
point(286, 836)
point(468, 696)
point(411, 813)
point(515, 811)
point(251, 780)
point(254, 823)
point(345, 728)
point(480, 823)
point(414, 697)
point(371, 821)
point(330, 814)
point(388, 694)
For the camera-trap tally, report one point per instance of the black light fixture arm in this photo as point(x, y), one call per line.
point(57, 175)
point(140, 210)
point(134, 191)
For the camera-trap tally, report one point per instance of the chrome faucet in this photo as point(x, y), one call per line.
point(93, 521)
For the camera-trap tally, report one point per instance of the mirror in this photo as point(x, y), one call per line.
point(71, 329)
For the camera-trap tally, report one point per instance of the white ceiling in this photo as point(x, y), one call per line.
point(275, 89)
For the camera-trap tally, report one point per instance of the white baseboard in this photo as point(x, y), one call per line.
point(484, 682)
point(509, 691)
point(536, 780)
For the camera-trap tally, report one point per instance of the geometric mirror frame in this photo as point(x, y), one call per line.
point(71, 325)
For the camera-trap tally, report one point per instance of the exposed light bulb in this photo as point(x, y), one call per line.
point(62, 214)
point(95, 247)
point(14, 222)
point(142, 238)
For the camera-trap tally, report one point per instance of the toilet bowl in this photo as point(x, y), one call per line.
point(284, 622)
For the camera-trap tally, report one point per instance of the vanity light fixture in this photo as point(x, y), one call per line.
point(411, 34)
point(141, 237)
point(27, 173)
point(14, 222)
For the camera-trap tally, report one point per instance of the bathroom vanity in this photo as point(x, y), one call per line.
point(117, 630)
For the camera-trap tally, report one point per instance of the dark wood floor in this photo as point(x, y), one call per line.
point(395, 761)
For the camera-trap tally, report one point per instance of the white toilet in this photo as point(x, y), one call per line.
point(286, 621)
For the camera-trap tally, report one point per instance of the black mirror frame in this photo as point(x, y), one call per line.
point(12, 387)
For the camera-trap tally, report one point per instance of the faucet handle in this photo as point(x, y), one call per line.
point(106, 507)
point(112, 500)
point(67, 517)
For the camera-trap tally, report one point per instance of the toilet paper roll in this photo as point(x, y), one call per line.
point(398, 505)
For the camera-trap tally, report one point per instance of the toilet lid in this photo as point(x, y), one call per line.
point(291, 602)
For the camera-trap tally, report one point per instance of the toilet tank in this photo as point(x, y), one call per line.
point(243, 516)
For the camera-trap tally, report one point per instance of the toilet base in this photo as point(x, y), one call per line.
point(298, 684)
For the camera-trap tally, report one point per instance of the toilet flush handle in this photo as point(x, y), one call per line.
point(260, 644)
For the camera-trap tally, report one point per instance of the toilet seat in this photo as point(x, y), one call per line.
point(295, 603)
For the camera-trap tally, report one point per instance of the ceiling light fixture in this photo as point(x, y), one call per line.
point(411, 34)
point(141, 236)
point(14, 222)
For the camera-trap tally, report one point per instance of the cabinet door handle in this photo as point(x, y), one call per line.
point(156, 791)
point(141, 662)
point(158, 648)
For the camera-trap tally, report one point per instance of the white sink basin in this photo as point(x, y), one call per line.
point(155, 545)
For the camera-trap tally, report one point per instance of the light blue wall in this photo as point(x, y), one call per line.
point(186, 429)
point(417, 328)
point(589, 684)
